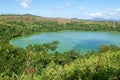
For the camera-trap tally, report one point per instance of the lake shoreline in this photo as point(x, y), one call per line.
point(92, 40)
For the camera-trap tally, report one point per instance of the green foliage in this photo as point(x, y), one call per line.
point(104, 48)
point(94, 68)
point(10, 58)
point(42, 62)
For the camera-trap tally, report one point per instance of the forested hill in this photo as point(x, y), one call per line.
point(16, 25)
point(57, 19)
point(35, 63)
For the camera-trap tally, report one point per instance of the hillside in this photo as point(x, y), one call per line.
point(35, 63)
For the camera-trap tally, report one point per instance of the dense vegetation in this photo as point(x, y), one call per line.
point(35, 63)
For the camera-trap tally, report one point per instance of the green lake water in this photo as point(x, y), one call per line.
point(70, 40)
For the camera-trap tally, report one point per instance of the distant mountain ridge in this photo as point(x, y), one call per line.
point(62, 19)
point(103, 19)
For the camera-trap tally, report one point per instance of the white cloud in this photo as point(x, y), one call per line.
point(118, 10)
point(110, 13)
point(67, 4)
point(24, 3)
point(97, 14)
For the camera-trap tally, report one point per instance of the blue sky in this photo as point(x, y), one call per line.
point(82, 9)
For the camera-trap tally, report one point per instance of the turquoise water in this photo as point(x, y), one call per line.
point(70, 40)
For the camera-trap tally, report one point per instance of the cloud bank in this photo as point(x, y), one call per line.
point(107, 14)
